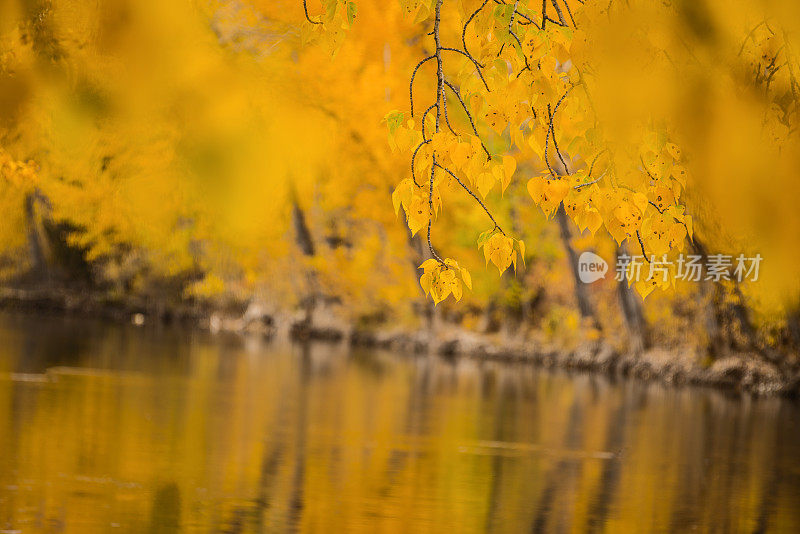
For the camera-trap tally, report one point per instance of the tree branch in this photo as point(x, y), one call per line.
point(411, 84)
point(473, 195)
point(469, 116)
point(305, 9)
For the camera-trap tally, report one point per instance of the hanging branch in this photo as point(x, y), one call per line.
point(526, 18)
point(559, 13)
point(413, 157)
point(411, 84)
point(546, 19)
point(478, 66)
point(473, 195)
point(596, 157)
point(587, 184)
point(569, 12)
point(551, 130)
point(514, 35)
point(464, 29)
point(424, 115)
point(442, 84)
point(305, 9)
point(469, 116)
point(439, 94)
point(641, 244)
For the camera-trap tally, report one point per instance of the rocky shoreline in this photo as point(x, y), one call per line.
point(739, 372)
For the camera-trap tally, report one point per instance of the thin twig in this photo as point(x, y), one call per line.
point(644, 166)
point(446, 118)
point(552, 131)
point(469, 116)
point(430, 212)
point(439, 94)
point(596, 157)
point(546, 147)
point(641, 244)
point(569, 12)
point(414, 157)
point(424, 115)
point(527, 19)
point(473, 195)
point(559, 13)
point(478, 66)
point(305, 9)
point(411, 84)
point(514, 35)
point(464, 29)
point(587, 184)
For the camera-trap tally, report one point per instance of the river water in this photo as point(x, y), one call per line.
point(113, 428)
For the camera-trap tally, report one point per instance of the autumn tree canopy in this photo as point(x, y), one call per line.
point(574, 93)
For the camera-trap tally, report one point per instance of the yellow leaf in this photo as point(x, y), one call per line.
point(455, 288)
point(425, 282)
point(645, 287)
point(678, 172)
point(402, 194)
point(548, 194)
point(589, 218)
point(467, 278)
point(509, 166)
point(418, 214)
point(673, 150)
point(499, 250)
point(640, 201)
point(429, 264)
point(485, 183)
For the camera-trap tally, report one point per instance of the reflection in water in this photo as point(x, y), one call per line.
point(111, 428)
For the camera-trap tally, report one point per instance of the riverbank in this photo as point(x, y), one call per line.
point(746, 372)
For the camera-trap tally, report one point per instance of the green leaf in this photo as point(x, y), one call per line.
point(485, 236)
point(394, 119)
point(352, 10)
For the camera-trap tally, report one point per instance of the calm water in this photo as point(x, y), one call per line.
point(107, 428)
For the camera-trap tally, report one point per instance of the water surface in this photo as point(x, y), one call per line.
point(109, 428)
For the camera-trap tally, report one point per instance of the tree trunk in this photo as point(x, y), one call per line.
point(581, 295)
point(302, 234)
point(306, 244)
point(633, 313)
point(37, 241)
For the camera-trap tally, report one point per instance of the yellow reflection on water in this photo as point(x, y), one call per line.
point(106, 428)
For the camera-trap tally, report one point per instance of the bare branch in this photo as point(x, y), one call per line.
point(469, 116)
point(546, 19)
point(587, 184)
point(430, 211)
point(644, 166)
point(411, 84)
point(527, 19)
point(641, 244)
point(439, 95)
point(596, 157)
point(413, 158)
point(446, 118)
point(569, 12)
point(551, 131)
point(514, 35)
point(424, 115)
point(478, 66)
point(305, 9)
point(559, 13)
point(473, 195)
point(464, 29)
